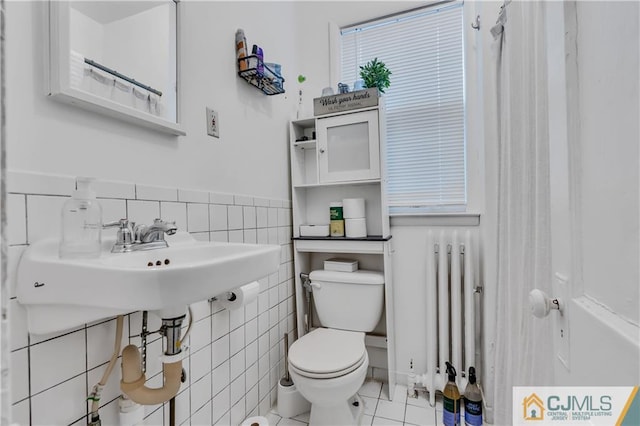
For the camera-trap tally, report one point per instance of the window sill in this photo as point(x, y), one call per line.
point(436, 219)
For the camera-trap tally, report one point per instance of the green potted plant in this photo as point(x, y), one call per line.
point(375, 74)
point(300, 113)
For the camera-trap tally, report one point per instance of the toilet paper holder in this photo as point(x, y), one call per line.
point(230, 296)
point(238, 297)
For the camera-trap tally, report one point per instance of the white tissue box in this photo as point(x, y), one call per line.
point(341, 265)
point(314, 230)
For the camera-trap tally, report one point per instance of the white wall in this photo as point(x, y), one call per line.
point(249, 158)
point(139, 46)
point(86, 36)
point(312, 42)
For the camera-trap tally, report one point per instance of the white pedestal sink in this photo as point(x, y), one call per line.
point(59, 294)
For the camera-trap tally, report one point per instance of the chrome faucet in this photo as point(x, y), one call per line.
point(132, 237)
point(155, 232)
point(124, 240)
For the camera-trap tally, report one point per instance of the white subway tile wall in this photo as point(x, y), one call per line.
point(193, 196)
point(243, 200)
point(236, 357)
point(215, 198)
point(39, 183)
point(112, 210)
point(139, 211)
point(234, 217)
point(170, 211)
point(113, 189)
point(157, 193)
point(17, 216)
point(197, 217)
point(44, 216)
point(218, 217)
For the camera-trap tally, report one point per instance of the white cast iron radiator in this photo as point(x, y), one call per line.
point(451, 306)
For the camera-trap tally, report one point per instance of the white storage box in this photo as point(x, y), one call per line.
point(314, 230)
point(340, 265)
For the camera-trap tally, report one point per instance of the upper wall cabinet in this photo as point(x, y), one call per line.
point(117, 58)
point(349, 147)
point(343, 148)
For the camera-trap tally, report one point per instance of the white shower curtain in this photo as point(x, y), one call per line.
point(523, 351)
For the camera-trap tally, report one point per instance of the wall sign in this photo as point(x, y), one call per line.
point(345, 101)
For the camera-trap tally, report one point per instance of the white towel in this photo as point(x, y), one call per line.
point(121, 92)
point(141, 99)
point(157, 107)
point(76, 69)
point(101, 83)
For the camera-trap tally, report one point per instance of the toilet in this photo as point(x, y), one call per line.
point(329, 364)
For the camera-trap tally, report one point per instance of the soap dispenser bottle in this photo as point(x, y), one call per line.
point(472, 401)
point(81, 223)
point(451, 399)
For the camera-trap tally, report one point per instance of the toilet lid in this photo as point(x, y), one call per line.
point(327, 352)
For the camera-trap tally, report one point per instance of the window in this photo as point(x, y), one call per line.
point(425, 158)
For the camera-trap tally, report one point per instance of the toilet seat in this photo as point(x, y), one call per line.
point(327, 353)
point(330, 375)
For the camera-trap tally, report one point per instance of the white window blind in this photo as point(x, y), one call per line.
point(425, 154)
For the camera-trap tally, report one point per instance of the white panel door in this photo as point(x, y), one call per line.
point(593, 110)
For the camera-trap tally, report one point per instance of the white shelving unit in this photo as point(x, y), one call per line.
point(335, 157)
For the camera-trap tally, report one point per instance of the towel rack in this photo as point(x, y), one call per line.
point(122, 76)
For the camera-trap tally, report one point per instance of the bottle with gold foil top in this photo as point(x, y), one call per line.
point(451, 399)
point(336, 224)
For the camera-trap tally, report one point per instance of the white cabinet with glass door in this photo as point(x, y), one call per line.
point(349, 147)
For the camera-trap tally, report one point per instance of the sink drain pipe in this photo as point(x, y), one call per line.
point(133, 378)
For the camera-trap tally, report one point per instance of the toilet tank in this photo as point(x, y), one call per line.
point(348, 300)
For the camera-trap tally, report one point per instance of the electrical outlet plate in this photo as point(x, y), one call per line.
point(213, 125)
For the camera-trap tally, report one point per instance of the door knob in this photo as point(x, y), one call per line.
point(321, 150)
point(541, 304)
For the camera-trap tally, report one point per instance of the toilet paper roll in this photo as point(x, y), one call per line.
point(256, 421)
point(353, 208)
point(240, 296)
point(355, 228)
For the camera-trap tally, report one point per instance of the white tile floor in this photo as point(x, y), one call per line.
point(379, 411)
